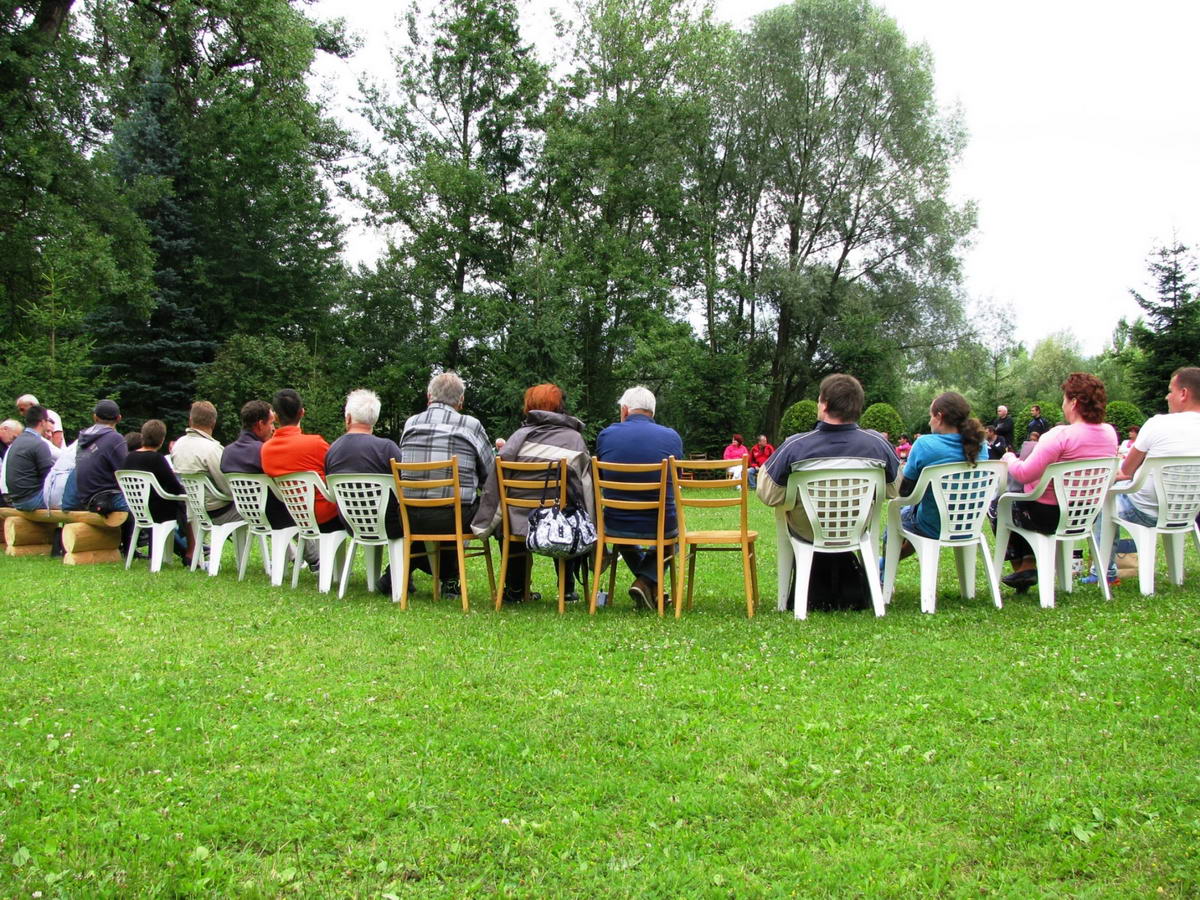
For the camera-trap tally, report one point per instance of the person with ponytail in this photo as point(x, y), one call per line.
point(955, 436)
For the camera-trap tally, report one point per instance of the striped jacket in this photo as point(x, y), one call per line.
point(545, 436)
point(441, 432)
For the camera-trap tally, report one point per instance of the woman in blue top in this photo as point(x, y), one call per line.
point(955, 437)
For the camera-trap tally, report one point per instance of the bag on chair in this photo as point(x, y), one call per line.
point(561, 532)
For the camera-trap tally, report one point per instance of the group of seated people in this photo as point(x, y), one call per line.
point(36, 472)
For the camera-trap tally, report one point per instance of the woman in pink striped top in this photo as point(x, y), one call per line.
point(1085, 436)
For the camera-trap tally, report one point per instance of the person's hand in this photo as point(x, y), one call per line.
point(1009, 458)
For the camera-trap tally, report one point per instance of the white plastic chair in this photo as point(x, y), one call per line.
point(841, 508)
point(199, 489)
point(962, 492)
point(136, 486)
point(299, 491)
point(363, 502)
point(250, 493)
point(1080, 485)
point(1177, 484)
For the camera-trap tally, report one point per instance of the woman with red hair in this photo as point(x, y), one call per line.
point(1085, 436)
point(547, 434)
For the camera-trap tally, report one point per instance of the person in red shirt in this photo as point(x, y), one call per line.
point(759, 454)
point(291, 450)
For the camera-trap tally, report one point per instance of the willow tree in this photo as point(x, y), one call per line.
point(856, 239)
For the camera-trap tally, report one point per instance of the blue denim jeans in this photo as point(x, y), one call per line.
point(34, 501)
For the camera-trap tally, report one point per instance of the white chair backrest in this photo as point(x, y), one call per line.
point(1177, 484)
point(250, 493)
point(136, 486)
point(1080, 486)
point(362, 500)
point(839, 503)
point(963, 492)
point(198, 486)
point(299, 491)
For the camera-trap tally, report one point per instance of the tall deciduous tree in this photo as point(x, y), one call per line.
point(452, 178)
point(852, 162)
point(1170, 335)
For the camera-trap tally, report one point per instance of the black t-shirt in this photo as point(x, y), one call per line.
point(356, 454)
point(161, 509)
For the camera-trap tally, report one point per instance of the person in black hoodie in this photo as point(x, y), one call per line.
point(148, 458)
point(101, 452)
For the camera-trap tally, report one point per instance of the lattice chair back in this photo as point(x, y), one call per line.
point(1080, 487)
point(137, 486)
point(840, 503)
point(299, 491)
point(1177, 484)
point(250, 493)
point(362, 500)
point(198, 486)
point(962, 495)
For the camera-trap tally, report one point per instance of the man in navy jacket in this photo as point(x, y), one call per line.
point(637, 438)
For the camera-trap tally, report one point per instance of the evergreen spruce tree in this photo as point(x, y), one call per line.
point(1169, 336)
point(153, 356)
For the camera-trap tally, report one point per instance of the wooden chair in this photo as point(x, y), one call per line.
point(606, 477)
point(741, 540)
point(413, 493)
point(528, 486)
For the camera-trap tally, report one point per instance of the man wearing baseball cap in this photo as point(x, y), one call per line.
point(100, 453)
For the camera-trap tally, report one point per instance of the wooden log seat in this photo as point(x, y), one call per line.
point(87, 537)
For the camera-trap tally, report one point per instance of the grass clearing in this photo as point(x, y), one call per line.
point(175, 734)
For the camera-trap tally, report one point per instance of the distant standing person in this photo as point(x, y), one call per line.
point(1004, 426)
point(1037, 422)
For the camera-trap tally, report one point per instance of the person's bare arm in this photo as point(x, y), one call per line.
point(1132, 463)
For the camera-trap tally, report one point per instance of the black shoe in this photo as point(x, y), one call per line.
point(512, 597)
point(451, 588)
point(1021, 581)
point(571, 597)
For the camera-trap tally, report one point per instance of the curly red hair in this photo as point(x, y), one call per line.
point(1088, 392)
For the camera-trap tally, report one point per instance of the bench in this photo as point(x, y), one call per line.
point(87, 537)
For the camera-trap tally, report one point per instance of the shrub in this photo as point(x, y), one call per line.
point(799, 418)
point(883, 418)
point(1122, 414)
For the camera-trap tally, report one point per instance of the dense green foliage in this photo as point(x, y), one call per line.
point(180, 735)
point(723, 215)
point(1123, 414)
point(800, 417)
point(883, 418)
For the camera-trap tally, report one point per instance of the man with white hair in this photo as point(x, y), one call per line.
point(1004, 427)
point(637, 438)
point(56, 430)
point(438, 433)
point(9, 429)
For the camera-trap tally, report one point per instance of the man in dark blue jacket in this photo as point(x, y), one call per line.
point(637, 438)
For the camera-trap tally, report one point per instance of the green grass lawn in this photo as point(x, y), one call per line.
point(180, 735)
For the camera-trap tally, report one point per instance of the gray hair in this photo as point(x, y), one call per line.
point(12, 425)
point(446, 388)
point(27, 398)
point(638, 398)
point(362, 407)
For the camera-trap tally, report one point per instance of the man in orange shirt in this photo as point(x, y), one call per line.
point(291, 450)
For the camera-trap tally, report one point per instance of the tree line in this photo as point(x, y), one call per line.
point(723, 215)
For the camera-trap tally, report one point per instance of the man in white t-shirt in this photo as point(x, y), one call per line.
point(1176, 433)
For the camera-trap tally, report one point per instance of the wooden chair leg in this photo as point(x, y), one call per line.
point(562, 586)
point(748, 577)
point(504, 555)
point(462, 574)
point(487, 560)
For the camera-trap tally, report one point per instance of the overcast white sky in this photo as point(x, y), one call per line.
point(1084, 124)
